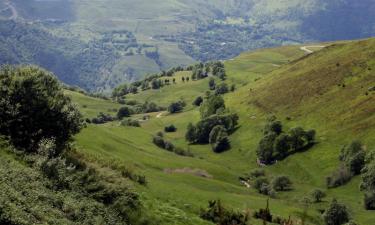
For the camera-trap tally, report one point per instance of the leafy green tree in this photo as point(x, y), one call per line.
point(212, 104)
point(219, 139)
point(170, 128)
point(297, 141)
point(281, 145)
point(260, 182)
point(34, 107)
point(281, 183)
point(191, 133)
point(123, 112)
point(274, 126)
point(336, 214)
point(176, 107)
point(368, 181)
point(265, 151)
point(317, 195)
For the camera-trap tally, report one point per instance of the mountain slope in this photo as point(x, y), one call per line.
point(327, 91)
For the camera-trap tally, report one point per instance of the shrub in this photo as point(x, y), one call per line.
point(353, 156)
point(257, 173)
point(339, 177)
point(168, 146)
point(102, 118)
point(265, 148)
point(222, 89)
point(211, 84)
point(369, 201)
point(123, 112)
point(264, 214)
point(158, 141)
point(176, 107)
point(130, 123)
point(317, 195)
point(198, 101)
point(34, 107)
point(170, 128)
point(218, 214)
point(191, 133)
point(281, 183)
point(336, 214)
point(260, 182)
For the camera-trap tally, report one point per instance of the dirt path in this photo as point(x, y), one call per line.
point(309, 51)
point(14, 15)
point(159, 115)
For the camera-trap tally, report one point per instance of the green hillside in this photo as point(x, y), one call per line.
point(329, 91)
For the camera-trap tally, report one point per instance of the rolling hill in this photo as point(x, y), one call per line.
point(139, 37)
point(329, 90)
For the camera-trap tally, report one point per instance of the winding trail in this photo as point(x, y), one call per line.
point(14, 15)
point(309, 51)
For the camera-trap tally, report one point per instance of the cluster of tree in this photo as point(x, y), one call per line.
point(277, 145)
point(102, 118)
point(262, 184)
point(130, 123)
point(219, 214)
point(352, 161)
point(37, 118)
point(368, 181)
point(123, 90)
point(159, 141)
point(169, 129)
point(176, 107)
point(214, 126)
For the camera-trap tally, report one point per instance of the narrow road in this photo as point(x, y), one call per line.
point(14, 15)
point(309, 51)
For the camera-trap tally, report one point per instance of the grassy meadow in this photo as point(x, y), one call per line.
point(325, 91)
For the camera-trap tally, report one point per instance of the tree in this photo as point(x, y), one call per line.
point(274, 126)
point(34, 107)
point(368, 181)
point(174, 80)
point(155, 84)
point(170, 128)
point(123, 112)
point(211, 84)
point(212, 104)
point(191, 133)
point(183, 79)
point(222, 89)
point(175, 107)
point(281, 183)
point(219, 139)
point(336, 214)
point(198, 101)
point(297, 138)
point(265, 149)
point(317, 195)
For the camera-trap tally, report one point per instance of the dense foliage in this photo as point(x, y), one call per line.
point(33, 107)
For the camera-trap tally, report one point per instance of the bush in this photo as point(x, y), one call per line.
point(123, 112)
point(102, 118)
point(130, 123)
point(198, 101)
point(218, 214)
point(159, 141)
point(336, 214)
point(222, 89)
point(259, 183)
point(34, 107)
point(170, 128)
point(369, 201)
point(339, 177)
point(176, 107)
point(257, 173)
point(281, 183)
point(353, 157)
point(317, 195)
point(219, 139)
point(191, 133)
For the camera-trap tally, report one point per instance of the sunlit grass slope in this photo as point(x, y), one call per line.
point(325, 91)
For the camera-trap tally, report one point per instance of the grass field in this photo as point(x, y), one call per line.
point(281, 81)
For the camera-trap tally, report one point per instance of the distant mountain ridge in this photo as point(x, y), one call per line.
point(166, 33)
